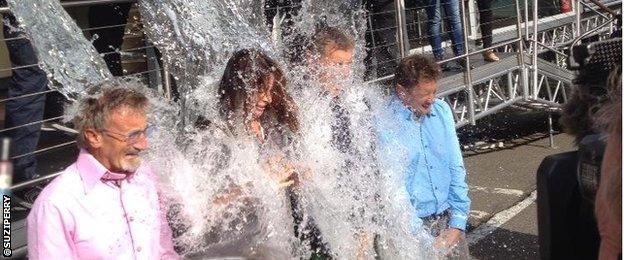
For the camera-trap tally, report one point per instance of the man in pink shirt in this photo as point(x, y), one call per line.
point(105, 205)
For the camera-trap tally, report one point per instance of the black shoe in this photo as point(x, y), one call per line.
point(451, 66)
point(446, 66)
point(27, 196)
point(462, 64)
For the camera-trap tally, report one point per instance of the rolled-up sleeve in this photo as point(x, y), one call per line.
point(458, 194)
point(49, 233)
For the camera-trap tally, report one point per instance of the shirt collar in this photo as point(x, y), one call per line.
point(91, 170)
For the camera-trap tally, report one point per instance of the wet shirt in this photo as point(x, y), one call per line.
point(88, 212)
point(434, 173)
point(238, 230)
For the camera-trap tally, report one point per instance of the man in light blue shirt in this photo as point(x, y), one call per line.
point(417, 138)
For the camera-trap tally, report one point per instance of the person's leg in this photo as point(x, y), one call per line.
point(451, 9)
point(485, 21)
point(434, 17)
point(109, 39)
point(24, 110)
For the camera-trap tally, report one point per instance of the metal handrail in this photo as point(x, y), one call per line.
point(482, 50)
point(79, 3)
point(592, 8)
point(579, 38)
point(602, 6)
point(553, 49)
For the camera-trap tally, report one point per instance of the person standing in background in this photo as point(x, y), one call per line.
point(109, 23)
point(485, 22)
point(23, 108)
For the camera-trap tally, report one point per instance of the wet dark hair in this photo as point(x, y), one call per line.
point(246, 73)
point(414, 69)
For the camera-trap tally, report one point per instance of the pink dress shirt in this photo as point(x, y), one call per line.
point(86, 214)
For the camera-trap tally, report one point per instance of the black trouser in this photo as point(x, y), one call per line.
point(23, 110)
point(110, 38)
point(485, 21)
point(307, 231)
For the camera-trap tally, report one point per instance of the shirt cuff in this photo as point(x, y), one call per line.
point(417, 225)
point(458, 220)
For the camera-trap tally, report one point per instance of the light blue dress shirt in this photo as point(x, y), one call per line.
point(427, 153)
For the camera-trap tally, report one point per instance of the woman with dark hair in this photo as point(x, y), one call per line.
point(247, 216)
point(252, 90)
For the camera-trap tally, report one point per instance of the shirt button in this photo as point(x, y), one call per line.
point(138, 249)
point(131, 218)
point(431, 167)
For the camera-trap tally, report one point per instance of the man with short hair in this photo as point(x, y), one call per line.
point(106, 204)
point(418, 132)
point(330, 56)
point(327, 58)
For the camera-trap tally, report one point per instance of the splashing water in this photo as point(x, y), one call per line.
point(69, 59)
point(221, 200)
point(198, 37)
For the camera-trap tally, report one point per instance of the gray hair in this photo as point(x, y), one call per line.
point(94, 111)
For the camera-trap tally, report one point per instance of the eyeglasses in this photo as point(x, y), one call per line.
point(132, 137)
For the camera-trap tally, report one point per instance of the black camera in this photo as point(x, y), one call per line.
point(567, 182)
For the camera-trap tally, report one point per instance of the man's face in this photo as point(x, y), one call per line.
point(118, 146)
point(335, 68)
point(419, 98)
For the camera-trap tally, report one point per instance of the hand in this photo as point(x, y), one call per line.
point(228, 196)
point(281, 171)
point(448, 238)
point(366, 246)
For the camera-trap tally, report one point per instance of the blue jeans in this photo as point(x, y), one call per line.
point(453, 20)
point(24, 110)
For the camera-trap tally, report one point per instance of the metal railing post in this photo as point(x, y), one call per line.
point(521, 64)
point(510, 86)
point(402, 40)
point(551, 131)
point(467, 73)
point(535, 40)
point(472, 17)
point(166, 79)
point(577, 13)
point(526, 19)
